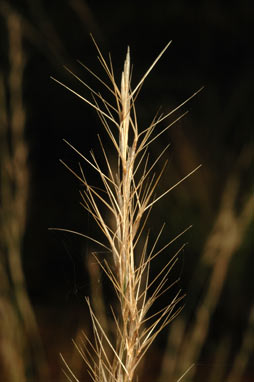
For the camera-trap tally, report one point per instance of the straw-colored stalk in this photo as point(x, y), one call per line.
point(128, 194)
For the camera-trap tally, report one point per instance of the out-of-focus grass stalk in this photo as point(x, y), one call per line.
point(20, 343)
point(222, 243)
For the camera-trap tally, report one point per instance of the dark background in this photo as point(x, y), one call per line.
point(210, 47)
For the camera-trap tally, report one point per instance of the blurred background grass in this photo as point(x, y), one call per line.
point(44, 275)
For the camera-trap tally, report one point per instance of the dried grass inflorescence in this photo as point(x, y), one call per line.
point(128, 194)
